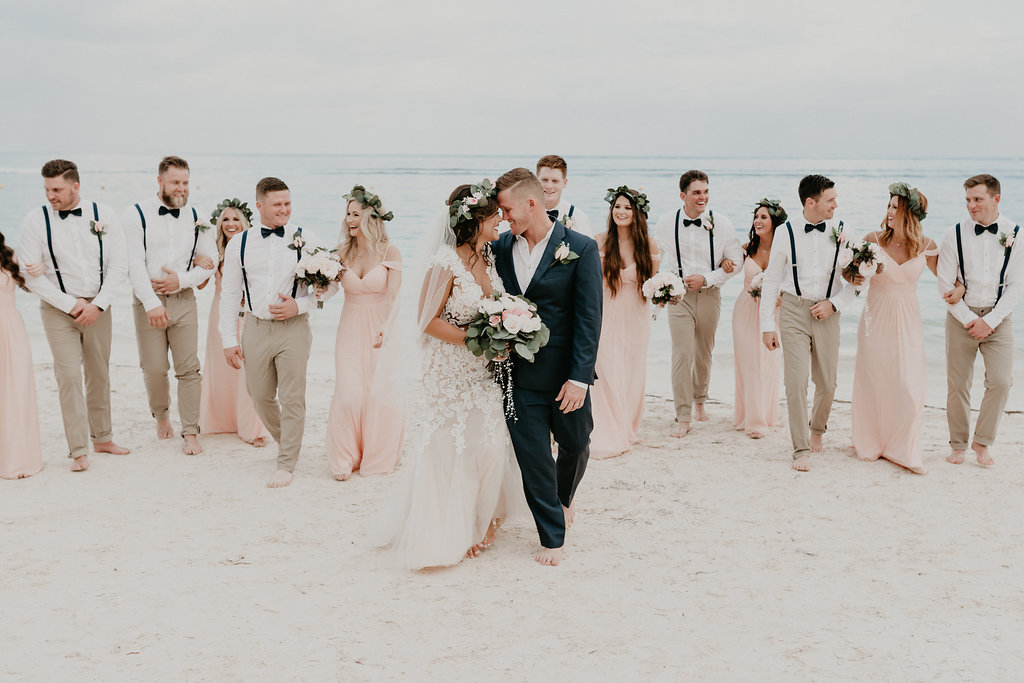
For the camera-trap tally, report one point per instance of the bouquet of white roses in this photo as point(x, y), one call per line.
point(755, 286)
point(664, 288)
point(504, 324)
point(859, 257)
point(318, 268)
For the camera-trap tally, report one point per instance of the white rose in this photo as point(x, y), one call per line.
point(513, 323)
point(532, 324)
point(845, 257)
point(867, 269)
point(491, 307)
point(561, 252)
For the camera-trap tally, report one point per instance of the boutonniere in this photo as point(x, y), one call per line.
point(1006, 240)
point(837, 236)
point(564, 255)
point(569, 222)
point(201, 226)
point(297, 241)
point(709, 224)
point(97, 228)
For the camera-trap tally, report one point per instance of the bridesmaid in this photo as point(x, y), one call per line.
point(21, 454)
point(889, 376)
point(225, 406)
point(757, 368)
point(365, 426)
point(629, 257)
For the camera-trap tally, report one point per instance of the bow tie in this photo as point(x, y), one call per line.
point(78, 212)
point(978, 228)
point(553, 214)
point(820, 227)
point(267, 232)
point(687, 222)
point(174, 212)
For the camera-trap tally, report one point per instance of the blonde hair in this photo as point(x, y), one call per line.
point(222, 239)
point(912, 230)
point(373, 231)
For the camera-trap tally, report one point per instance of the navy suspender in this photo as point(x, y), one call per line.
point(679, 257)
point(142, 218)
point(53, 257)
point(711, 242)
point(792, 246)
point(835, 260)
point(195, 241)
point(572, 207)
point(1006, 262)
point(245, 279)
point(711, 237)
point(960, 256)
point(298, 257)
point(96, 217)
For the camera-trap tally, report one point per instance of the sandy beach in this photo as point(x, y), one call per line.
point(702, 558)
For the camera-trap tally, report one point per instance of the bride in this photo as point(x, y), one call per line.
point(455, 490)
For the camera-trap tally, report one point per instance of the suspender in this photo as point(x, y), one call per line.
point(679, 257)
point(195, 240)
point(142, 218)
point(835, 261)
point(245, 279)
point(572, 207)
point(960, 256)
point(711, 237)
point(1006, 262)
point(96, 217)
point(53, 257)
point(711, 241)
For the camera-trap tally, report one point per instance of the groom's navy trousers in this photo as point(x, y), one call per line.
point(568, 296)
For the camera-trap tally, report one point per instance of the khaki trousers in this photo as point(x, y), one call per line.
point(807, 343)
point(181, 337)
point(961, 351)
point(76, 348)
point(276, 353)
point(693, 323)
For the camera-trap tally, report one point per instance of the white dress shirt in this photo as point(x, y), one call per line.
point(526, 261)
point(269, 270)
point(983, 261)
point(77, 251)
point(168, 242)
point(815, 256)
point(694, 247)
point(581, 223)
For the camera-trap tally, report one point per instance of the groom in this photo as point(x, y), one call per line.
point(559, 271)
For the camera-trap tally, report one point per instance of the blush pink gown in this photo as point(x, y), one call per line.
point(757, 368)
point(225, 405)
point(890, 376)
point(21, 454)
point(366, 423)
point(617, 396)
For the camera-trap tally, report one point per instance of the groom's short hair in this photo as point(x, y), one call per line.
point(269, 184)
point(553, 161)
point(521, 180)
point(812, 186)
point(990, 183)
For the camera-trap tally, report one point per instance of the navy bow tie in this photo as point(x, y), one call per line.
point(687, 222)
point(820, 227)
point(78, 212)
point(174, 212)
point(979, 228)
point(267, 232)
point(553, 214)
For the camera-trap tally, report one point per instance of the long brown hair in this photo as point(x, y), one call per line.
point(912, 230)
point(641, 247)
point(468, 230)
point(8, 263)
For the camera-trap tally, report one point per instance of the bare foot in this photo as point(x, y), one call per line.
point(164, 428)
point(81, 464)
point(956, 457)
point(680, 429)
point(474, 551)
point(701, 415)
point(492, 530)
point(192, 446)
point(815, 443)
point(110, 447)
point(802, 464)
point(259, 442)
point(280, 479)
point(756, 435)
point(549, 557)
point(570, 514)
point(342, 477)
point(984, 459)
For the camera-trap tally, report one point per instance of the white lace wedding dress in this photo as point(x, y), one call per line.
point(462, 472)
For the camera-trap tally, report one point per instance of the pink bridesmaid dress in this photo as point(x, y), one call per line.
point(21, 454)
point(757, 368)
point(366, 422)
point(617, 397)
point(889, 379)
point(225, 406)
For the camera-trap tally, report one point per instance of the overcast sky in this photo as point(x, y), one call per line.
point(913, 78)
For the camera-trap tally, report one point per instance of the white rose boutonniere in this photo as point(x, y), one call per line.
point(569, 222)
point(564, 255)
point(1006, 240)
point(97, 228)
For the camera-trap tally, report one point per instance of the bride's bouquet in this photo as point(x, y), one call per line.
point(664, 288)
point(859, 257)
point(318, 268)
point(755, 286)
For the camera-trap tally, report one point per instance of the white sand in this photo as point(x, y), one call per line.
point(707, 557)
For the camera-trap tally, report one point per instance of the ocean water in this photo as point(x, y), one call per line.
point(415, 187)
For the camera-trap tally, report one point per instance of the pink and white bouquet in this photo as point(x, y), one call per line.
point(506, 324)
point(318, 268)
point(859, 257)
point(664, 288)
point(755, 286)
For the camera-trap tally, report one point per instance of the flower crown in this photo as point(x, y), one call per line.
point(368, 200)
point(235, 203)
point(912, 195)
point(775, 210)
point(479, 195)
point(637, 197)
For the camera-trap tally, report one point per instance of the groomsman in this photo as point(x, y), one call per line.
point(275, 344)
point(164, 235)
point(701, 247)
point(980, 252)
point(552, 172)
point(803, 265)
point(77, 248)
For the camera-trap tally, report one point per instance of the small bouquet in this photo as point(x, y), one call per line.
point(859, 257)
point(664, 288)
point(755, 286)
point(506, 324)
point(318, 268)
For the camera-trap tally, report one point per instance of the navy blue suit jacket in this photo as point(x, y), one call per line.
point(569, 297)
